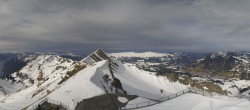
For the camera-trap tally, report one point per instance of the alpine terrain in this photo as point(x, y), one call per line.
point(128, 80)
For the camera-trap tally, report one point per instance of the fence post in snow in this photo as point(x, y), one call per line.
point(161, 91)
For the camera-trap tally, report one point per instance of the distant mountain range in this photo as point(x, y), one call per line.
point(218, 64)
point(223, 64)
point(73, 79)
point(70, 82)
point(11, 62)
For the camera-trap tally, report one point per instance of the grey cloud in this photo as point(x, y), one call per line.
point(178, 25)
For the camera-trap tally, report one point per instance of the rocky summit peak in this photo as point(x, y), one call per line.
point(96, 56)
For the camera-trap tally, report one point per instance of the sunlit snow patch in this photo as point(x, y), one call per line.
point(122, 99)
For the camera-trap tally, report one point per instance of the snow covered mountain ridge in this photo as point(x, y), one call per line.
point(44, 69)
point(143, 54)
point(216, 72)
point(70, 82)
point(223, 64)
point(219, 64)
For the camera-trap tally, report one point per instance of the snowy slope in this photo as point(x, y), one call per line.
point(41, 74)
point(191, 101)
point(83, 84)
point(87, 84)
point(8, 88)
point(134, 54)
point(145, 85)
point(80, 86)
point(43, 69)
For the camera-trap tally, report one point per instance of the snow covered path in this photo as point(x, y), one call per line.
point(147, 102)
point(192, 101)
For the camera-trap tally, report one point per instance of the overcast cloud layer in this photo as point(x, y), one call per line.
point(174, 25)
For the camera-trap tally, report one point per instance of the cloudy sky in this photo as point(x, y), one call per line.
point(172, 25)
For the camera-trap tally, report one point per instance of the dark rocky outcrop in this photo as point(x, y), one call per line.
point(103, 102)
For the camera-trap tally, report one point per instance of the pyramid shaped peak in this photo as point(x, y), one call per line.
point(96, 56)
point(101, 54)
point(99, 50)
